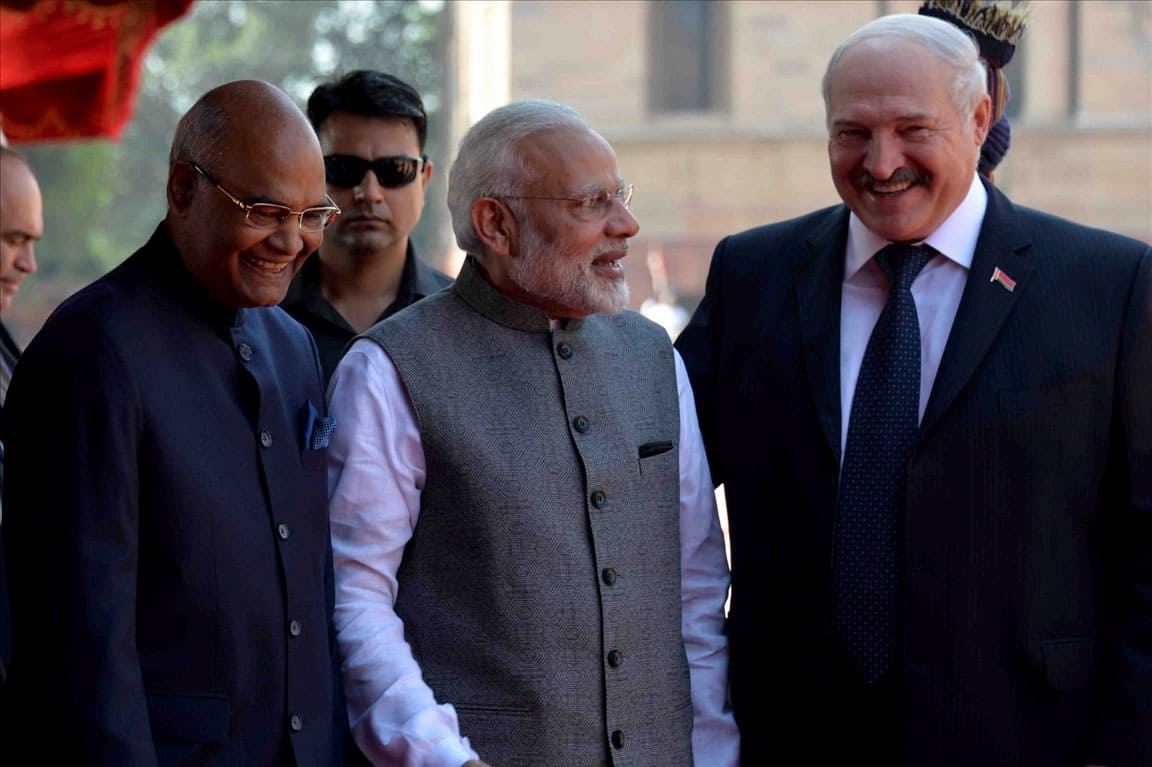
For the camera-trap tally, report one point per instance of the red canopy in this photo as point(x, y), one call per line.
point(69, 68)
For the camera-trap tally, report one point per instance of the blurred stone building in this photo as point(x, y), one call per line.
point(714, 109)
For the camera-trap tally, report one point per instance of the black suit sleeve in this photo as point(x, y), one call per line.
point(1124, 733)
point(71, 499)
point(699, 346)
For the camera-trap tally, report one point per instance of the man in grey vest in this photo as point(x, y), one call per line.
point(530, 567)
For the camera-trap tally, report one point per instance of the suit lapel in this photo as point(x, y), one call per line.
point(985, 304)
point(818, 272)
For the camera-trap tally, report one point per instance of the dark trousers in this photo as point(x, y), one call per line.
point(827, 720)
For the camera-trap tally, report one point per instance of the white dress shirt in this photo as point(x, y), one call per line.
point(936, 290)
point(376, 472)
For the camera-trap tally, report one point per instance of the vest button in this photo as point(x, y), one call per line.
point(615, 658)
point(294, 628)
point(266, 438)
point(564, 349)
point(599, 499)
point(581, 424)
point(282, 531)
point(617, 739)
point(296, 723)
point(245, 352)
point(609, 576)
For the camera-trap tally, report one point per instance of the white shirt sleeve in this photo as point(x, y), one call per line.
point(375, 475)
point(704, 590)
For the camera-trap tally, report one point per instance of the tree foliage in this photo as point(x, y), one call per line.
point(102, 199)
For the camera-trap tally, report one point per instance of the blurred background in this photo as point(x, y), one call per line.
point(713, 106)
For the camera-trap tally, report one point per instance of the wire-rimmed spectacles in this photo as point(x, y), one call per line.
point(267, 215)
point(590, 207)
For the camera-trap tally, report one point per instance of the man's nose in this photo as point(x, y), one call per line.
point(370, 188)
point(290, 238)
point(884, 156)
point(26, 258)
point(621, 222)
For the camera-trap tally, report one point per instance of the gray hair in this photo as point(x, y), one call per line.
point(199, 133)
point(945, 41)
point(488, 164)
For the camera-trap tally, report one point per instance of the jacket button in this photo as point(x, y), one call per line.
point(296, 723)
point(245, 352)
point(294, 628)
point(609, 576)
point(617, 739)
point(599, 499)
point(282, 531)
point(581, 424)
point(615, 658)
point(564, 349)
point(266, 438)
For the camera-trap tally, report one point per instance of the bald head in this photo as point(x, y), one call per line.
point(248, 109)
point(21, 223)
point(244, 143)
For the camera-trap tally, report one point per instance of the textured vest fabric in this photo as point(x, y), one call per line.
point(541, 589)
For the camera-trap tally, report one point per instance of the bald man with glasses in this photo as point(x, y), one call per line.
point(372, 127)
point(165, 507)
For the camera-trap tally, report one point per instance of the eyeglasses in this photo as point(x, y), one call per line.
point(266, 215)
point(347, 170)
point(590, 207)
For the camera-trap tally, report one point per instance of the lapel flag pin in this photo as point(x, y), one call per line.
point(1005, 281)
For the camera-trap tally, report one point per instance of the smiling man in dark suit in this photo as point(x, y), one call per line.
point(165, 508)
point(930, 411)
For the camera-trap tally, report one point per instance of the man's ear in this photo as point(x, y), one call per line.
point(181, 181)
point(982, 120)
point(495, 226)
point(426, 175)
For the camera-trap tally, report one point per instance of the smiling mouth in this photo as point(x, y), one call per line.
point(614, 267)
point(889, 187)
point(901, 180)
point(266, 266)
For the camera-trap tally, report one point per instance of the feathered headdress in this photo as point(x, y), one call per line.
point(997, 26)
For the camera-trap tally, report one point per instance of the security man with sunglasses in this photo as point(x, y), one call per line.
point(372, 127)
point(165, 511)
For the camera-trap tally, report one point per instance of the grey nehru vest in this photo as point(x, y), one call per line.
point(541, 589)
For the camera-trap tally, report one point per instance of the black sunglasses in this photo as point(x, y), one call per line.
point(347, 170)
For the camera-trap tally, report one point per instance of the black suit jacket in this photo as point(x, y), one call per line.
point(165, 518)
point(11, 351)
point(306, 303)
point(1026, 632)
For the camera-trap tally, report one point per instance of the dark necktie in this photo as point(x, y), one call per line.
point(881, 429)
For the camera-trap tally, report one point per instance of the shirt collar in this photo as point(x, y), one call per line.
point(955, 239)
point(419, 279)
point(416, 281)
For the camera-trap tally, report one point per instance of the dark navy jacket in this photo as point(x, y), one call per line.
point(167, 534)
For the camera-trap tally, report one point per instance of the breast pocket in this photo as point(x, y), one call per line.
point(660, 475)
point(1052, 425)
point(658, 457)
point(189, 716)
